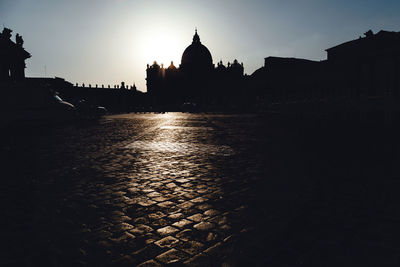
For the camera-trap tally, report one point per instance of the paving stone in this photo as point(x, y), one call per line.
point(172, 256)
point(123, 227)
point(204, 226)
point(168, 230)
point(186, 205)
point(176, 215)
point(204, 206)
point(170, 185)
point(187, 185)
point(165, 204)
point(140, 229)
point(189, 212)
point(220, 220)
point(146, 203)
point(125, 218)
point(212, 237)
point(211, 212)
point(156, 215)
point(141, 220)
point(156, 185)
point(196, 217)
point(166, 242)
point(161, 199)
point(149, 263)
point(153, 194)
point(198, 200)
point(185, 235)
point(148, 190)
point(181, 181)
point(190, 247)
point(190, 195)
point(182, 223)
point(126, 237)
point(161, 222)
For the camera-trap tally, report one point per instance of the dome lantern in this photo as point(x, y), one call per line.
point(196, 38)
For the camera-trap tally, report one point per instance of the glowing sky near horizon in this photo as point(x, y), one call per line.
point(109, 41)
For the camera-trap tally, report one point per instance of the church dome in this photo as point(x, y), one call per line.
point(196, 55)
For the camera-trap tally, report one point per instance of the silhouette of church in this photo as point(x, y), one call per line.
point(197, 81)
point(360, 79)
point(13, 56)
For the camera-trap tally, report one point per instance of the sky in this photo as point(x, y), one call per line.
point(109, 41)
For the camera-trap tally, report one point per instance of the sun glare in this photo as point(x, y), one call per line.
point(161, 46)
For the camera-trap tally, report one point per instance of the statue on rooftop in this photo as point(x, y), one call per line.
point(18, 40)
point(6, 33)
point(369, 34)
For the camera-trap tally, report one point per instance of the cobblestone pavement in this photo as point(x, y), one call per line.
point(184, 189)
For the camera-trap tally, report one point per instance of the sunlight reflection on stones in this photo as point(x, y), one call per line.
point(171, 127)
point(183, 148)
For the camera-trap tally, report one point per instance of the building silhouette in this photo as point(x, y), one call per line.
point(360, 79)
point(364, 74)
point(32, 93)
point(116, 98)
point(196, 81)
point(13, 56)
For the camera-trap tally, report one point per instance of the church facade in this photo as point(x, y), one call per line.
point(197, 81)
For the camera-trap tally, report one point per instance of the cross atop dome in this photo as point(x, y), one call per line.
point(196, 37)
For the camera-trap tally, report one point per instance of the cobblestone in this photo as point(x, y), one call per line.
point(192, 189)
point(167, 230)
point(171, 256)
point(204, 226)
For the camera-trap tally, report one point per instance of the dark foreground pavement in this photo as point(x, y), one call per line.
point(200, 190)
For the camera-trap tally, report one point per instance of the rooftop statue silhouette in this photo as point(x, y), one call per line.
point(13, 56)
point(18, 40)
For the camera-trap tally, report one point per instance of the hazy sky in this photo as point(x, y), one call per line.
point(109, 41)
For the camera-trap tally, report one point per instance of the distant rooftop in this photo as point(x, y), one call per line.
point(268, 61)
point(369, 39)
